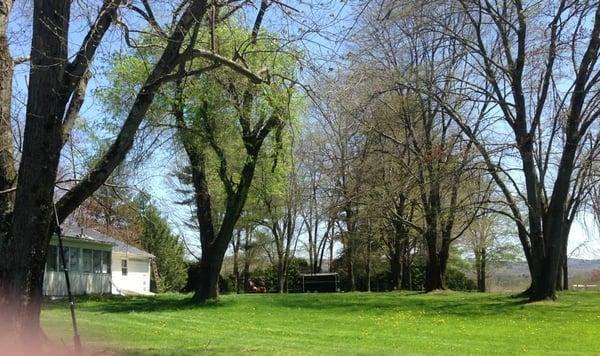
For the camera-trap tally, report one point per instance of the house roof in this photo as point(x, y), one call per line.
point(81, 233)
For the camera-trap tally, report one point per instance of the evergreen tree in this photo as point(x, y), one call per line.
point(158, 239)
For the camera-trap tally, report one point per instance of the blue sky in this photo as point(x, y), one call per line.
point(328, 24)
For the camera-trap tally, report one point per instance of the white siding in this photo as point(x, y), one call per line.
point(137, 279)
point(81, 283)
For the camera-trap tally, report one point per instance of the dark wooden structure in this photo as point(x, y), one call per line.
point(320, 282)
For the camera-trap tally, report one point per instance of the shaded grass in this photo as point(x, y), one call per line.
point(345, 323)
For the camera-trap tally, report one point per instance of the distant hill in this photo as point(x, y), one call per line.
point(515, 275)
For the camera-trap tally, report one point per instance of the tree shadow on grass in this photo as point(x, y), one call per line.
point(452, 304)
point(138, 304)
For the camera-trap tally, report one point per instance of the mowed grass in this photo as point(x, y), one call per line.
point(343, 323)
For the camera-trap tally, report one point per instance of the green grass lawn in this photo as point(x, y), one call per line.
point(344, 323)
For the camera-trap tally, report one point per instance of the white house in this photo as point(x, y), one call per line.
point(97, 264)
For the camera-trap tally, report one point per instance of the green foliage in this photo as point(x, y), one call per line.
point(268, 276)
point(212, 104)
point(457, 280)
point(169, 253)
point(448, 323)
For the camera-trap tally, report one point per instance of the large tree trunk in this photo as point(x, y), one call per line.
point(21, 270)
point(434, 279)
point(210, 268)
point(52, 81)
point(436, 260)
point(50, 87)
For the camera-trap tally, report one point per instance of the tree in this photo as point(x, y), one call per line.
point(316, 211)
point(487, 239)
point(536, 73)
point(279, 193)
point(170, 274)
point(404, 136)
point(343, 153)
point(56, 92)
point(230, 120)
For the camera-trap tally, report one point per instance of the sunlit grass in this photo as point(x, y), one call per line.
point(345, 323)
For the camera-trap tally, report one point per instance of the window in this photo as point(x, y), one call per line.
point(124, 267)
point(52, 259)
point(87, 257)
point(74, 259)
point(105, 261)
point(97, 261)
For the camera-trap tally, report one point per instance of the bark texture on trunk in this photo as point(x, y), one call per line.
point(54, 82)
point(7, 161)
point(434, 271)
point(21, 270)
point(210, 268)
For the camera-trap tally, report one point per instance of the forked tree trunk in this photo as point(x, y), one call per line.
point(214, 245)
